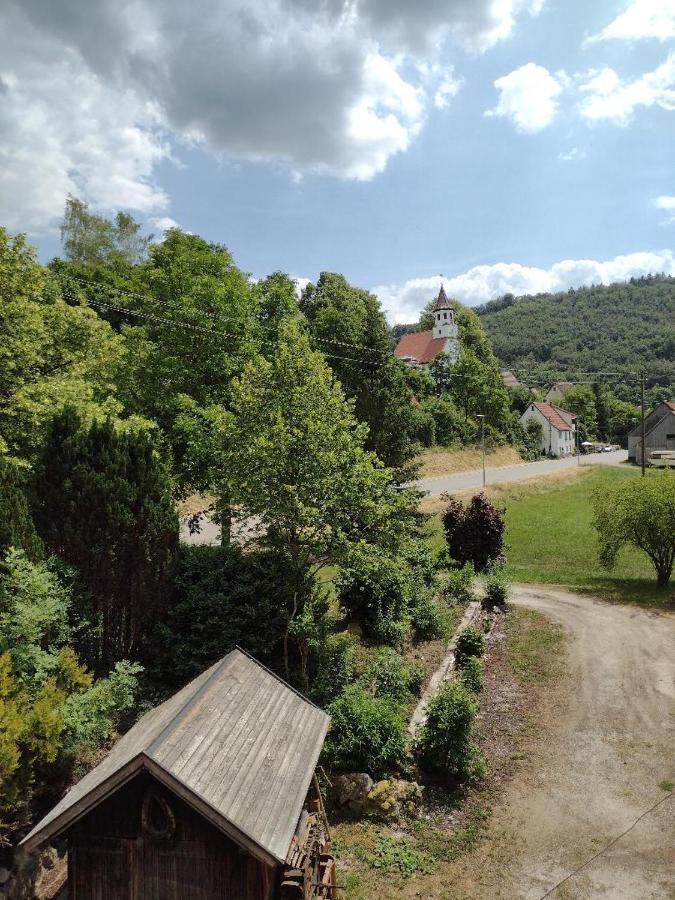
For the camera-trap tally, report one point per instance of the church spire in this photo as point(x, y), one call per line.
point(441, 300)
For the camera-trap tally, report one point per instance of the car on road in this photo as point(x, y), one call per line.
point(661, 459)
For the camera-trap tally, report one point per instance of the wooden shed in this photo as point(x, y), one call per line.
point(211, 795)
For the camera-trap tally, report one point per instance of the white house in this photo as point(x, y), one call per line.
point(558, 426)
point(419, 348)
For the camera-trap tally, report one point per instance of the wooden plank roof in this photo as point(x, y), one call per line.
point(237, 743)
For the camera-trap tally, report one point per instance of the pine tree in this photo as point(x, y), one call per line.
point(102, 502)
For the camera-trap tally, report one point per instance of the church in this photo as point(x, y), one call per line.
point(420, 348)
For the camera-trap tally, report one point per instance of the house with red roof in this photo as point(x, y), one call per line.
point(558, 428)
point(419, 348)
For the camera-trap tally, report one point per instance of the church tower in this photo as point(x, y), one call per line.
point(445, 325)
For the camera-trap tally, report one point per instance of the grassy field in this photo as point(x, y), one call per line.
point(551, 540)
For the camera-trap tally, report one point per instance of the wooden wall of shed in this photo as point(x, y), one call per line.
point(112, 858)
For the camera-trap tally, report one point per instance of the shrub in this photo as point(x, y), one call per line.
point(334, 667)
point(470, 642)
point(374, 590)
point(426, 617)
point(367, 733)
point(444, 744)
point(496, 590)
point(458, 584)
point(472, 673)
point(222, 597)
point(393, 677)
point(474, 533)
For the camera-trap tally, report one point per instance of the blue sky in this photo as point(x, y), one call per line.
point(508, 144)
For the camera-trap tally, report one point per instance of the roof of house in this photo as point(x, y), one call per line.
point(556, 416)
point(654, 418)
point(237, 743)
point(441, 301)
point(420, 345)
point(560, 387)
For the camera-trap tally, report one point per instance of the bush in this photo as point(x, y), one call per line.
point(472, 673)
point(334, 667)
point(374, 590)
point(496, 590)
point(367, 733)
point(470, 642)
point(222, 597)
point(394, 678)
point(426, 617)
point(458, 584)
point(444, 744)
point(474, 533)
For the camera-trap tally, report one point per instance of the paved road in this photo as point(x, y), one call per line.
point(439, 484)
point(601, 768)
point(460, 481)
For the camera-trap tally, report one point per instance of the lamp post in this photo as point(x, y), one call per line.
point(481, 416)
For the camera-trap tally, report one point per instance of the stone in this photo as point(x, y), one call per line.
point(392, 797)
point(353, 788)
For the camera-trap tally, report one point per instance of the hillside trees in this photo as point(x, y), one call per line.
point(295, 458)
point(342, 319)
point(102, 503)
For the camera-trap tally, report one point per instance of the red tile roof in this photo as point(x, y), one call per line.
point(420, 345)
point(552, 414)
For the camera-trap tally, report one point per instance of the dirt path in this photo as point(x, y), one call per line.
point(610, 745)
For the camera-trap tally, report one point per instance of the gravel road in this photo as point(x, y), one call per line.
point(612, 743)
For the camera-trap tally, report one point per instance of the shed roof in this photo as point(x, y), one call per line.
point(237, 743)
point(421, 346)
point(654, 418)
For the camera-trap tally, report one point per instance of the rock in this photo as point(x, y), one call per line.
point(49, 858)
point(353, 788)
point(391, 798)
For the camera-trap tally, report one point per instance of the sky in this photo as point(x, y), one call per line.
point(505, 145)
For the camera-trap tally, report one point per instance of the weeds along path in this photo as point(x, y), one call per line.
point(609, 757)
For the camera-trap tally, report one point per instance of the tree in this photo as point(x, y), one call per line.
point(52, 354)
point(474, 534)
point(580, 400)
point(343, 319)
point(50, 706)
point(294, 458)
point(477, 388)
point(622, 417)
point(641, 512)
point(102, 502)
point(16, 525)
point(88, 238)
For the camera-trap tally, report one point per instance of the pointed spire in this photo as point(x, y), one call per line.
point(441, 300)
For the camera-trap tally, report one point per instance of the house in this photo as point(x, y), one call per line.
point(659, 432)
point(558, 427)
point(558, 391)
point(210, 795)
point(419, 348)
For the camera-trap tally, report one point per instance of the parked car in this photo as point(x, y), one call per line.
point(662, 459)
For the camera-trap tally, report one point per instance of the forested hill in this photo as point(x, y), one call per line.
point(628, 326)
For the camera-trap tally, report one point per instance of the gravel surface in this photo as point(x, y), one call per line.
point(608, 756)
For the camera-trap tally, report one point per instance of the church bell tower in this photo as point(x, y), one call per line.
point(445, 325)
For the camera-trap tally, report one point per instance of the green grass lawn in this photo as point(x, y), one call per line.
point(550, 539)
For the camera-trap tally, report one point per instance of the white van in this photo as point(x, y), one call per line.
point(662, 458)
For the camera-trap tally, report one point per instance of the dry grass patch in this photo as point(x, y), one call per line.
point(193, 504)
point(447, 460)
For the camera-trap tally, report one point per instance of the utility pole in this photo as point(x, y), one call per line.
point(642, 413)
point(482, 441)
point(578, 441)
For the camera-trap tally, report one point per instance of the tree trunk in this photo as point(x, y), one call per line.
point(224, 513)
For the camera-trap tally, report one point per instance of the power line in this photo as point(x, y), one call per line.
point(215, 316)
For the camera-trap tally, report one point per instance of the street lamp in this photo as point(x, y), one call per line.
point(481, 416)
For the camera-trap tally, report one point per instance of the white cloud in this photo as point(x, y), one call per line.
point(641, 19)
point(667, 203)
point(403, 303)
point(448, 87)
point(92, 92)
point(608, 97)
point(528, 97)
point(572, 155)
